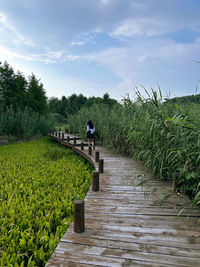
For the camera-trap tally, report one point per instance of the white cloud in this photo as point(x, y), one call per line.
point(24, 41)
point(73, 57)
point(143, 26)
point(156, 62)
point(55, 54)
point(5, 23)
point(47, 58)
point(48, 61)
point(2, 18)
point(7, 53)
point(18, 38)
point(77, 43)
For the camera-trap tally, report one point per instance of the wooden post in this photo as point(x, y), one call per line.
point(95, 181)
point(82, 146)
point(66, 131)
point(59, 134)
point(63, 136)
point(74, 140)
point(97, 156)
point(68, 140)
point(101, 165)
point(90, 150)
point(56, 134)
point(174, 184)
point(79, 216)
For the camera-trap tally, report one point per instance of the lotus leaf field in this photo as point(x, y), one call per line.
point(38, 182)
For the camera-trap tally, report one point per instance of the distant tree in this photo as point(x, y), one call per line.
point(109, 101)
point(20, 98)
point(185, 99)
point(7, 85)
point(63, 105)
point(36, 98)
point(18, 93)
point(54, 105)
point(72, 104)
point(75, 102)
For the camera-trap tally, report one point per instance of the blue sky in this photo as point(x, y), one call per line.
point(98, 46)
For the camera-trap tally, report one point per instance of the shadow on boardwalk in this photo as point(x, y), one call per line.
point(125, 223)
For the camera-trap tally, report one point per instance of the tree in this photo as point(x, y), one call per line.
point(54, 104)
point(20, 98)
point(7, 85)
point(75, 102)
point(36, 98)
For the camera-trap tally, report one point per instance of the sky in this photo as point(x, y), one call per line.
point(93, 47)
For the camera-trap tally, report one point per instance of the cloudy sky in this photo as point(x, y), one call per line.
point(97, 46)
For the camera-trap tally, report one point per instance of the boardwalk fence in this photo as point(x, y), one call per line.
point(79, 221)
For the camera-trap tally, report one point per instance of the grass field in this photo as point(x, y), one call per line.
point(38, 182)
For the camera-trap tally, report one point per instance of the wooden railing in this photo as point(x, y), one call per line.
point(76, 143)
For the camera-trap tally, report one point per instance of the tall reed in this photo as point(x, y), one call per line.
point(24, 123)
point(165, 136)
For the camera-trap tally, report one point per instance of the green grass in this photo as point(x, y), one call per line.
point(38, 182)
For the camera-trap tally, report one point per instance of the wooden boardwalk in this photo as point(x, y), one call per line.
point(129, 225)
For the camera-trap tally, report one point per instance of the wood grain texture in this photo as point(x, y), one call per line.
point(130, 225)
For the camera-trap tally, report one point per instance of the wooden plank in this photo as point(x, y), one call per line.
point(141, 200)
point(61, 257)
point(125, 223)
point(144, 247)
point(140, 210)
point(151, 239)
point(105, 252)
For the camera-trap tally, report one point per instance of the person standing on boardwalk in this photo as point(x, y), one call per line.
point(90, 134)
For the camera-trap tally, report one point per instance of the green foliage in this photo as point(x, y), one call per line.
point(185, 99)
point(18, 93)
point(25, 123)
point(165, 136)
point(23, 105)
point(36, 99)
point(38, 182)
point(71, 105)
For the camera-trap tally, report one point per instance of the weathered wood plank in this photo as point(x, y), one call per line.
point(128, 254)
point(151, 239)
point(144, 247)
point(62, 257)
point(141, 221)
point(126, 224)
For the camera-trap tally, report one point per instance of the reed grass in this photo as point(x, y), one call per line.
point(165, 136)
point(24, 124)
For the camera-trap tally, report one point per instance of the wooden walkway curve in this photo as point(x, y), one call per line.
point(126, 225)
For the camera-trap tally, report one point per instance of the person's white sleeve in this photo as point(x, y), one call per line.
point(88, 128)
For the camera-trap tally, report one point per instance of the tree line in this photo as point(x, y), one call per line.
point(65, 107)
point(24, 105)
point(185, 99)
point(17, 92)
